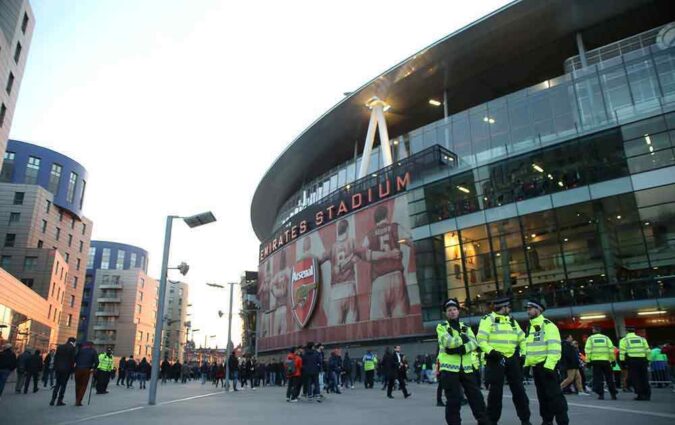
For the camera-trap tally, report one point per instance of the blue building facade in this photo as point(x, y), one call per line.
point(66, 179)
point(105, 255)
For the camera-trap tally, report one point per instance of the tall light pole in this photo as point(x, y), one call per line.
point(229, 332)
point(192, 222)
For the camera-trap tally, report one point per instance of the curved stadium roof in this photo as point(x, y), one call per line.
point(514, 47)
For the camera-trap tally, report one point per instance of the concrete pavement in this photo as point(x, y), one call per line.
point(193, 403)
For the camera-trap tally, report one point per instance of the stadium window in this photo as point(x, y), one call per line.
point(14, 217)
point(18, 198)
point(24, 23)
point(3, 112)
point(17, 52)
point(10, 83)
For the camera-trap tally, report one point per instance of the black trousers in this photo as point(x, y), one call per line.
point(400, 376)
point(602, 371)
point(293, 387)
point(552, 402)
point(102, 379)
point(495, 373)
point(370, 378)
point(120, 377)
point(34, 376)
point(637, 371)
point(60, 387)
point(439, 392)
point(452, 383)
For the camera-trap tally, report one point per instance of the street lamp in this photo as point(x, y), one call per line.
point(192, 221)
point(229, 330)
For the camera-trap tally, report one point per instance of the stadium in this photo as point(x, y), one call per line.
point(530, 154)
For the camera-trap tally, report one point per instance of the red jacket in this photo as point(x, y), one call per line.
point(298, 365)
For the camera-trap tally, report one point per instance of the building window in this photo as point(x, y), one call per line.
point(14, 217)
point(132, 260)
point(54, 178)
point(40, 244)
point(10, 83)
point(74, 281)
point(18, 198)
point(90, 258)
point(81, 246)
point(71, 187)
point(142, 283)
point(7, 167)
point(70, 320)
point(120, 259)
point(3, 112)
point(24, 23)
point(67, 257)
point(10, 238)
point(139, 309)
point(140, 296)
point(48, 206)
point(5, 261)
point(28, 282)
point(32, 170)
point(60, 215)
point(29, 263)
point(70, 240)
point(84, 187)
point(77, 264)
point(49, 315)
point(105, 259)
point(17, 52)
point(44, 226)
point(72, 300)
point(84, 228)
point(139, 337)
point(58, 233)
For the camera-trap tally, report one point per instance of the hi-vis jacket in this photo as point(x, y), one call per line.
point(633, 346)
point(543, 343)
point(451, 338)
point(599, 348)
point(501, 333)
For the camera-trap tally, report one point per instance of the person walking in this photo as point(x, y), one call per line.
point(570, 360)
point(233, 364)
point(600, 353)
point(130, 371)
point(369, 366)
point(165, 370)
point(311, 366)
point(542, 346)
point(394, 369)
point(293, 373)
point(64, 364)
point(103, 371)
point(502, 340)
point(456, 341)
point(334, 371)
point(634, 352)
point(21, 363)
point(48, 369)
point(33, 369)
point(7, 364)
point(86, 361)
point(121, 371)
point(143, 372)
point(348, 372)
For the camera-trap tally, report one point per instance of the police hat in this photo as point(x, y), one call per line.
point(501, 302)
point(536, 304)
point(630, 328)
point(450, 302)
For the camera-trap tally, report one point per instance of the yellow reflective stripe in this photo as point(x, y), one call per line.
point(482, 332)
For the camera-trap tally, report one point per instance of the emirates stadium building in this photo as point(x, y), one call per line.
point(530, 154)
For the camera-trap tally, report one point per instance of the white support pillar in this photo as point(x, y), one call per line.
point(377, 122)
point(368, 147)
point(385, 146)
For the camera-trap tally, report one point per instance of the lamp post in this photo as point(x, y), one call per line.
point(192, 222)
point(229, 332)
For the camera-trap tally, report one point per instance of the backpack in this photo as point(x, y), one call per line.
point(290, 367)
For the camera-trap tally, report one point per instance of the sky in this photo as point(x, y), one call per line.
point(179, 107)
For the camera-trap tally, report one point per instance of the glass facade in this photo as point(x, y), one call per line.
point(617, 248)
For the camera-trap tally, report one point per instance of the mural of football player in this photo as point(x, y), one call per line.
point(279, 295)
point(343, 306)
point(382, 246)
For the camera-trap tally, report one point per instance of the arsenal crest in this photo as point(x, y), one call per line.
point(304, 289)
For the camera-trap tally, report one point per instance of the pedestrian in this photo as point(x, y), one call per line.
point(600, 354)
point(293, 373)
point(395, 369)
point(204, 371)
point(7, 364)
point(369, 365)
point(543, 353)
point(348, 367)
point(233, 365)
point(103, 371)
point(48, 369)
point(130, 371)
point(184, 373)
point(165, 369)
point(21, 363)
point(33, 369)
point(334, 369)
point(64, 364)
point(570, 360)
point(311, 365)
point(634, 352)
point(669, 351)
point(86, 361)
point(121, 371)
point(143, 372)
point(456, 341)
point(501, 339)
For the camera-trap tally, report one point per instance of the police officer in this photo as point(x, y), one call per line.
point(456, 342)
point(633, 353)
point(600, 353)
point(369, 365)
point(103, 371)
point(500, 338)
point(543, 353)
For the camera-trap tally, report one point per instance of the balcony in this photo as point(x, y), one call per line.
point(104, 340)
point(111, 285)
point(109, 299)
point(105, 326)
point(107, 313)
